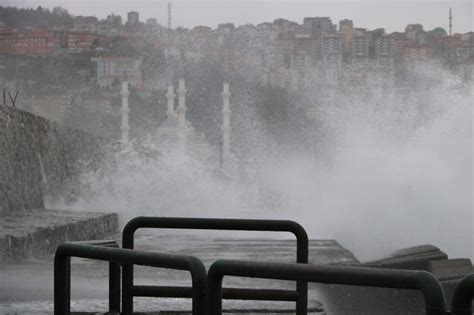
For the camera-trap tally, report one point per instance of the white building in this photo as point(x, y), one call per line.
point(110, 71)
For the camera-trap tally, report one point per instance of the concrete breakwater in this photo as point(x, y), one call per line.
point(39, 232)
point(40, 158)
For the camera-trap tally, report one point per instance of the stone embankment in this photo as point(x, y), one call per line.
point(42, 159)
point(39, 232)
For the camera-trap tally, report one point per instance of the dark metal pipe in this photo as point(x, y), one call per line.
point(114, 287)
point(260, 294)
point(62, 285)
point(463, 296)
point(215, 224)
point(161, 291)
point(387, 278)
point(228, 293)
point(114, 275)
point(124, 256)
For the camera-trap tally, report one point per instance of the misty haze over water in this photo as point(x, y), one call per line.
point(380, 172)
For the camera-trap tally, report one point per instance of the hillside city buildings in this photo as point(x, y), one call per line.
point(279, 46)
point(92, 54)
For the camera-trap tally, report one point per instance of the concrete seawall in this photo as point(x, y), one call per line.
point(39, 232)
point(40, 158)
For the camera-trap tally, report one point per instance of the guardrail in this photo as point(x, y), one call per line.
point(400, 279)
point(62, 271)
point(463, 296)
point(207, 292)
point(114, 274)
point(129, 290)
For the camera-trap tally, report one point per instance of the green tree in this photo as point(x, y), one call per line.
point(119, 46)
point(153, 61)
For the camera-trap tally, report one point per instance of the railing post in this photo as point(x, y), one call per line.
point(114, 274)
point(302, 258)
point(214, 284)
point(128, 237)
point(62, 284)
point(114, 287)
point(199, 286)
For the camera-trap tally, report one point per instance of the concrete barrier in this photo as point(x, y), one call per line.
point(40, 158)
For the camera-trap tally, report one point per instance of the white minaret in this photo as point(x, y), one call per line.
point(125, 110)
point(170, 96)
point(182, 115)
point(225, 123)
point(182, 104)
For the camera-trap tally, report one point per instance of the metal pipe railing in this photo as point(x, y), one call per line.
point(62, 271)
point(114, 274)
point(129, 290)
point(387, 278)
point(463, 296)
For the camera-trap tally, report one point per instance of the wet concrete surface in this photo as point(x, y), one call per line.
point(36, 232)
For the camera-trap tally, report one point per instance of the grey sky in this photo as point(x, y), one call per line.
point(392, 15)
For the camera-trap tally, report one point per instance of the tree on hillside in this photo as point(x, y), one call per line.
point(281, 115)
point(204, 85)
point(119, 46)
point(21, 18)
point(153, 61)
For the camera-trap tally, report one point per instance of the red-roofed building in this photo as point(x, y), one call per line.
point(82, 40)
point(35, 42)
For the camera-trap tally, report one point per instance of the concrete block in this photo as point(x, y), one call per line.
point(39, 232)
point(450, 269)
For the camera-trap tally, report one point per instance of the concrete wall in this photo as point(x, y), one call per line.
point(40, 158)
point(40, 232)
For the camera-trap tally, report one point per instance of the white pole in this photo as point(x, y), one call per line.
point(125, 111)
point(170, 96)
point(182, 115)
point(226, 123)
point(182, 103)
